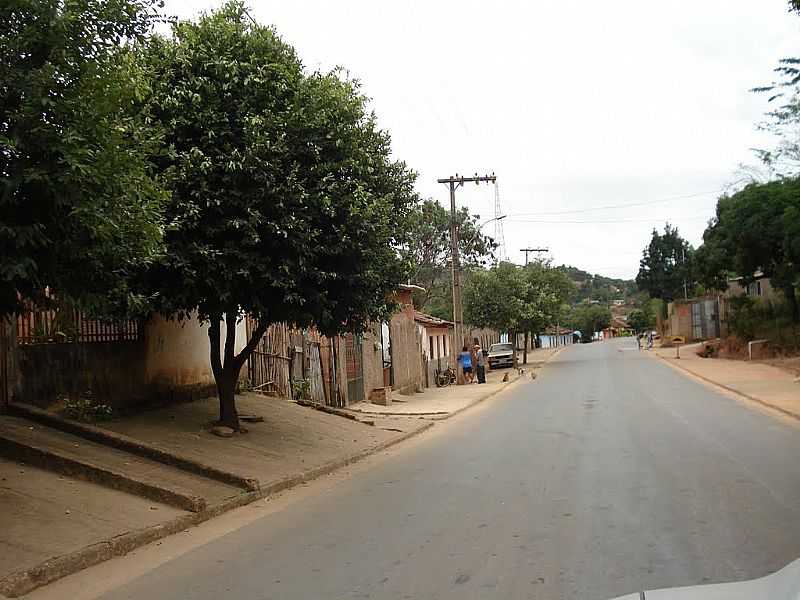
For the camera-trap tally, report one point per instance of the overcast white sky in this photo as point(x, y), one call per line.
point(574, 104)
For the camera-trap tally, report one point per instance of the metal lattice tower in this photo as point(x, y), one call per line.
point(499, 237)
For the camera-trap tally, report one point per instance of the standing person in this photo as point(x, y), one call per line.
point(649, 340)
point(480, 364)
point(639, 340)
point(465, 360)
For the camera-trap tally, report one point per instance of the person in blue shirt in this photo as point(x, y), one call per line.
point(465, 360)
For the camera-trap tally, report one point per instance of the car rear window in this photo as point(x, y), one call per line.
point(500, 348)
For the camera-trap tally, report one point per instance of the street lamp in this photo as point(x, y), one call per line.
point(500, 218)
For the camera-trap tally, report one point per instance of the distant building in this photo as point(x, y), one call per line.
point(760, 287)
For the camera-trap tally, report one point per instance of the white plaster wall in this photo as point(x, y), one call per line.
point(178, 351)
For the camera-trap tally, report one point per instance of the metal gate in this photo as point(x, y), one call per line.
point(705, 319)
point(355, 368)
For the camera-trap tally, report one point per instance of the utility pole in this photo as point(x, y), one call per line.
point(685, 287)
point(529, 250)
point(454, 182)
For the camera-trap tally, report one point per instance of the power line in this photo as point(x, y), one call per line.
point(609, 222)
point(613, 206)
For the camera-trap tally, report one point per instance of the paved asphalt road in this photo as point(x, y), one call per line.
point(611, 473)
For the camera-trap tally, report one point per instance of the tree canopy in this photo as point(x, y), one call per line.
point(638, 320)
point(666, 265)
point(285, 203)
point(756, 229)
point(783, 160)
point(589, 319)
point(548, 290)
point(79, 208)
point(516, 299)
point(428, 253)
point(496, 298)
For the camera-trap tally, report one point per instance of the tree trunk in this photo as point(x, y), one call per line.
point(525, 351)
point(226, 372)
point(226, 389)
point(513, 336)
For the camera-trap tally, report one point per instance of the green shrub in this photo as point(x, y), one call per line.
point(301, 389)
point(770, 319)
point(85, 409)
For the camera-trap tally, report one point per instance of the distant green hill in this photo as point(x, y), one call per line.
point(597, 287)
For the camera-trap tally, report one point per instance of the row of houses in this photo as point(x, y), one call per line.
point(47, 355)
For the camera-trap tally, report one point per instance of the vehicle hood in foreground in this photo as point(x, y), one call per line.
point(782, 585)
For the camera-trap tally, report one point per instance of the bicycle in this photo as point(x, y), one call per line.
point(445, 377)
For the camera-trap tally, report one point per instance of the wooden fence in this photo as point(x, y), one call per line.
point(286, 354)
point(37, 325)
point(268, 365)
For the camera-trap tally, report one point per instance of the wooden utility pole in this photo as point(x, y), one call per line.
point(454, 182)
point(529, 250)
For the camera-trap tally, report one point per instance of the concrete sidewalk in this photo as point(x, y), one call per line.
point(756, 381)
point(292, 440)
point(56, 523)
point(439, 403)
point(44, 515)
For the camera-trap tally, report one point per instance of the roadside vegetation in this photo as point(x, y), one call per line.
point(754, 233)
point(203, 172)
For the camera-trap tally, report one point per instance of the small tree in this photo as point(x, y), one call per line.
point(79, 209)
point(285, 202)
point(665, 270)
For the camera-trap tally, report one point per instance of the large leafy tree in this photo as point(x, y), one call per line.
point(548, 290)
point(516, 299)
point(498, 298)
point(79, 209)
point(285, 203)
point(665, 269)
point(589, 319)
point(756, 229)
point(639, 320)
point(429, 253)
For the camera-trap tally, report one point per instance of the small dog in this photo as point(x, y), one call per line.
point(505, 378)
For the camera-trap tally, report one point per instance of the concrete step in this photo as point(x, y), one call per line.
point(65, 453)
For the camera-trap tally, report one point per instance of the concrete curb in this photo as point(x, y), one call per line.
point(130, 445)
point(25, 581)
point(86, 471)
point(780, 409)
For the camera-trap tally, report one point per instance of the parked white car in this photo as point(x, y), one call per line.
point(501, 355)
point(782, 585)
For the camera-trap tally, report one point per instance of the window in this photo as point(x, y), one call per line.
point(754, 289)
